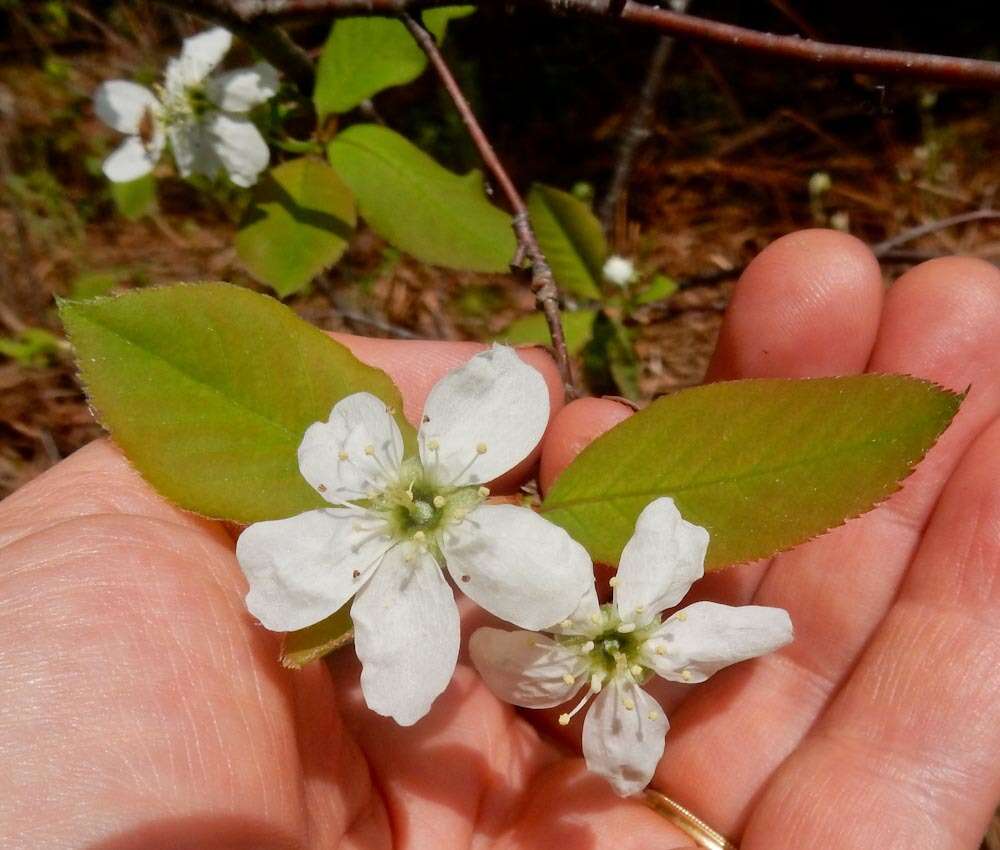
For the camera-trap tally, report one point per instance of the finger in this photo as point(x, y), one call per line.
point(907, 754)
point(807, 306)
point(572, 429)
point(416, 366)
point(942, 322)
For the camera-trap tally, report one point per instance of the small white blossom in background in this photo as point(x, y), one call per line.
point(612, 650)
point(414, 516)
point(618, 270)
point(203, 116)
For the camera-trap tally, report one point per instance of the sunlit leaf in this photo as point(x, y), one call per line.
point(659, 288)
point(421, 208)
point(534, 330)
point(299, 223)
point(762, 464)
point(571, 239)
point(365, 55)
point(208, 389)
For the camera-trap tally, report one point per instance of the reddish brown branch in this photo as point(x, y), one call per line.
point(542, 282)
point(948, 69)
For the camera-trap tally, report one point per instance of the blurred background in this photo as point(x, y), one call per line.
point(741, 149)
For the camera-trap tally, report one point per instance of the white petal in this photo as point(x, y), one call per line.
point(585, 618)
point(302, 569)
point(356, 423)
point(661, 561)
point(199, 56)
point(495, 404)
point(406, 634)
point(122, 105)
point(129, 161)
point(624, 745)
point(192, 149)
point(526, 668)
point(705, 637)
point(517, 565)
point(243, 89)
point(239, 146)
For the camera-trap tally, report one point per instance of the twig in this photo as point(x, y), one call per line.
point(378, 324)
point(638, 129)
point(902, 63)
point(542, 282)
point(887, 246)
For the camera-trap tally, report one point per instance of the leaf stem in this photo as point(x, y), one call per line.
point(542, 282)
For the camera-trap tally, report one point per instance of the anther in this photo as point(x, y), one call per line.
point(433, 445)
point(660, 649)
point(639, 609)
point(369, 450)
point(564, 719)
point(568, 678)
point(686, 675)
point(587, 647)
point(419, 536)
point(613, 581)
point(481, 448)
point(565, 624)
point(484, 491)
point(629, 704)
point(652, 715)
point(635, 670)
point(343, 455)
point(680, 615)
point(595, 619)
point(439, 502)
point(625, 628)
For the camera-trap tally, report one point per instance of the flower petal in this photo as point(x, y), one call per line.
point(302, 569)
point(526, 668)
point(192, 150)
point(129, 161)
point(483, 418)
point(517, 565)
point(660, 562)
point(623, 744)
point(705, 637)
point(585, 619)
point(406, 634)
point(200, 54)
point(357, 422)
point(239, 146)
point(121, 105)
point(243, 89)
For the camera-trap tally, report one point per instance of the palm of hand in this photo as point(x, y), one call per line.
point(142, 707)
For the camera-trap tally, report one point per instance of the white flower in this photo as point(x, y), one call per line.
point(614, 649)
point(202, 116)
point(398, 521)
point(618, 270)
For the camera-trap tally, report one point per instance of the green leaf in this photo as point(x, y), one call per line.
point(762, 464)
point(136, 198)
point(209, 388)
point(315, 641)
point(534, 330)
point(421, 208)
point(364, 55)
point(361, 57)
point(658, 289)
point(298, 224)
point(571, 239)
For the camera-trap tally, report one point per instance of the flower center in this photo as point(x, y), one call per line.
point(613, 648)
point(415, 507)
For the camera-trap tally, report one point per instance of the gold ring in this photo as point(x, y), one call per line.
point(687, 822)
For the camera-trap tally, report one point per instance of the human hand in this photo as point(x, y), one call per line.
point(143, 708)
